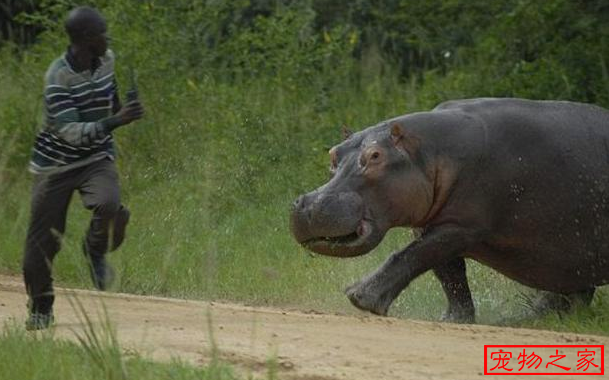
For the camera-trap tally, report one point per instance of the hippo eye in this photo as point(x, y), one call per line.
point(375, 156)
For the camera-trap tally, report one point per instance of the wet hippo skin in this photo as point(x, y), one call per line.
point(520, 186)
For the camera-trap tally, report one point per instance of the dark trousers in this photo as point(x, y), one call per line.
point(98, 186)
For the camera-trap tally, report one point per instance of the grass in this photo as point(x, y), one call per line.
point(97, 355)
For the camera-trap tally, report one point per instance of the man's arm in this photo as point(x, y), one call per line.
point(65, 120)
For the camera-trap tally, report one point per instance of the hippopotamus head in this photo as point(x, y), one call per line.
point(378, 181)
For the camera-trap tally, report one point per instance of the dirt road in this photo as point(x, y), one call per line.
point(306, 346)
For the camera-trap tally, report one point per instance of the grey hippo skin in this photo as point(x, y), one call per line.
point(520, 186)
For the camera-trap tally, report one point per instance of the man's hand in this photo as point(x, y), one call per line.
point(130, 112)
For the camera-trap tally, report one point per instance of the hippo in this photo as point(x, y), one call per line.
point(520, 186)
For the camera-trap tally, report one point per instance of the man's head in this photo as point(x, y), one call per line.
point(86, 28)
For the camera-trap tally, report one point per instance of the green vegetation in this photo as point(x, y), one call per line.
point(27, 356)
point(243, 100)
point(98, 356)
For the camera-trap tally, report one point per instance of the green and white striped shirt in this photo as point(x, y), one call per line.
point(78, 105)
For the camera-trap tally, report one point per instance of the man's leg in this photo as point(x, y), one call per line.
point(100, 191)
point(50, 200)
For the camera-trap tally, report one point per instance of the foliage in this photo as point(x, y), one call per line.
point(43, 356)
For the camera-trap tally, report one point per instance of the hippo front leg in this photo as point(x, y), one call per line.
point(454, 282)
point(435, 248)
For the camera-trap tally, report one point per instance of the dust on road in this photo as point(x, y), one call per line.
point(305, 345)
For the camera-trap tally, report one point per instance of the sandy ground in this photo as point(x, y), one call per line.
point(305, 345)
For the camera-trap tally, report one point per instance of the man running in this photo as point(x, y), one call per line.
point(75, 151)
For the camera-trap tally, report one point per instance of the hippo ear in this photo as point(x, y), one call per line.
point(404, 140)
point(347, 132)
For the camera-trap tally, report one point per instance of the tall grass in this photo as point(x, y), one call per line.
point(97, 355)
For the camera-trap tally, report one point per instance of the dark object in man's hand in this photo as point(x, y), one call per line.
point(132, 93)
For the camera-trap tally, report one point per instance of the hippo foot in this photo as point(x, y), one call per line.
point(548, 302)
point(458, 316)
point(362, 298)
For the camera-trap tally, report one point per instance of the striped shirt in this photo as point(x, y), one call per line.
point(76, 106)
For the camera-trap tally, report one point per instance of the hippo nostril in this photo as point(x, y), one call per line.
point(299, 203)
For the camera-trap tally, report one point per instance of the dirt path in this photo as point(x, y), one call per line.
point(307, 346)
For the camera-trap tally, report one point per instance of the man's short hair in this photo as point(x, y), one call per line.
point(81, 21)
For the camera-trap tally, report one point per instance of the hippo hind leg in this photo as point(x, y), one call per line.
point(562, 303)
point(452, 276)
point(582, 298)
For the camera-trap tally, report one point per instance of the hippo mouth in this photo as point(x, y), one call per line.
point(359, 242)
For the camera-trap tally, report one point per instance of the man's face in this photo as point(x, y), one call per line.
point(97, 40)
